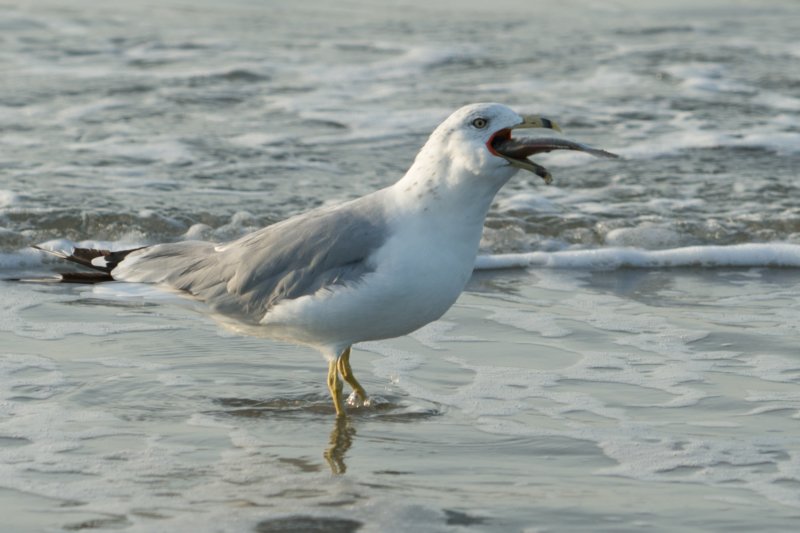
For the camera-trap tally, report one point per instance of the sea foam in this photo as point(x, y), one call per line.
point(748, 255)
point(739, 255)
point(7, 198)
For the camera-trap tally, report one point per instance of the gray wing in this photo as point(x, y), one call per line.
point(287, 260)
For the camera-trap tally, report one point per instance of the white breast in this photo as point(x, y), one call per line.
point(419, 273)
point(435, 218)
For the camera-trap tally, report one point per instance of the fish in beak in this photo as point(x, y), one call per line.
point(517, 150)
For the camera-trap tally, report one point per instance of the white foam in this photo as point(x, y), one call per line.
point(67, 245)
point(781, 142)
point(8, 198)
point(777, 101)
point(713, 79)
point(257, 139)
point(528, 201)
point(197, 232)
point(738, 255)
point(692, 135)
point(706, 77)
point(168, 151)
point(648, 235)
point(629, 249)
point(410, 62)
point(675, 142)
point(671, 205)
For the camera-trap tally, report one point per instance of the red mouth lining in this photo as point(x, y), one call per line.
point(500, 135)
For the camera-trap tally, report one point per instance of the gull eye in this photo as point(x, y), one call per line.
point(480, 123)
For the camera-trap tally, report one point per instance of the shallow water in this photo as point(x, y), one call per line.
point(546, 400)
point(639, 372)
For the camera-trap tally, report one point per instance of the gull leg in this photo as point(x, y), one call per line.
point(343, 364)
point(335, 386)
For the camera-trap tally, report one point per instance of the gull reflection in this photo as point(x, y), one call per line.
point(340, 441)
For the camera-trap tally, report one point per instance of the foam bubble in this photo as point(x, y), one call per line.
point(8, 198)
point(258, 139)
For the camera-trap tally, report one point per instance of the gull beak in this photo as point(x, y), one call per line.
point(533, 121)
point(517, 150)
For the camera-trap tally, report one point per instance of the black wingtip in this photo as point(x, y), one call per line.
point(101, 271)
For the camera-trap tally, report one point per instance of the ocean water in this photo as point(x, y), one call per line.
point(625, 357)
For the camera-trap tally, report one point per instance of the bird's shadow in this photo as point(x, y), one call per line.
point(391, 410)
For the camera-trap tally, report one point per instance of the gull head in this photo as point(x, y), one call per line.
point(477, 140)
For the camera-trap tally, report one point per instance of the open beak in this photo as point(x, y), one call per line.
point(517, 150)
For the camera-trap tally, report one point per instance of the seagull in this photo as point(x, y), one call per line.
point(377, 267)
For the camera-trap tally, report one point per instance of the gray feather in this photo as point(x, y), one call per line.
point(293, 258)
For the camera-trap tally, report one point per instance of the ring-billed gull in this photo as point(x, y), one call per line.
point(377, 267)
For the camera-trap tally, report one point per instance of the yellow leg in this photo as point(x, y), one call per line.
point(346, 372)
point(335, 386)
